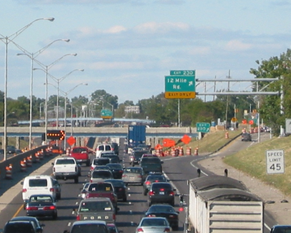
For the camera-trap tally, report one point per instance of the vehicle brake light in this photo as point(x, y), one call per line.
point(148, 183)
point(156, 180)
point(151, 193)
point(162, 189)
point(49, 208)
point(91, 168)
point(139, 229)
point(24, 190)
point(172, 193)
point(167, 229)
point(52, 189)
point(151, 215)
point(78, 218)
point(31, 208)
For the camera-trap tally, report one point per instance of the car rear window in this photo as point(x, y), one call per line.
point(150, 160)
point(101, 174)
point(158, 186)
point(154, 222)
point(104, 187)
point(41, 199)
point(90, 227)
point(95, 206)
point(100, 161)
point(65, 161)
point(18, 227)
point(37, 183)
point(107, 147)
point(132, 170)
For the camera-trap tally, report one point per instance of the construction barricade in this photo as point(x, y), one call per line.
point(29, 161)
point(188, 151)
point(8, 170)
point(176, 151)
point(196, 151)
point(23, 165)
point(181, 151)
point(173, 152)
point(226, 135)
point(37, 159)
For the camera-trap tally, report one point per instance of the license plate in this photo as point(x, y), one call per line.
point(162, 193)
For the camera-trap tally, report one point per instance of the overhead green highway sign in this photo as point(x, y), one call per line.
point(180, 87)
point(183, 72)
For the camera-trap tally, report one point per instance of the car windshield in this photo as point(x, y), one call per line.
point(79, 150)
point(95, 206)
point(104, 187)
point(154, 222)
point(89, 228)
point(162, 209)
point(18, 227)
point(101, 174)
point(132, 170)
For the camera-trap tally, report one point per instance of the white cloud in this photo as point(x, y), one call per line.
point(236, 45)
point(115, 29)
point(154, 27)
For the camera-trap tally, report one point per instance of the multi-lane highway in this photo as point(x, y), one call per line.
point(178, 170)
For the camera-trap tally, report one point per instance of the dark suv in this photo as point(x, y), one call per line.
point(161, 192)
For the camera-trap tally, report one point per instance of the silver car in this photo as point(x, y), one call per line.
point(153, 225)
point(133, 175)
point(101, 175)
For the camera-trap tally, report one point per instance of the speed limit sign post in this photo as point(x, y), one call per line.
point(275, 161)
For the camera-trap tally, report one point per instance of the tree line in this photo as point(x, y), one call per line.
point(273, 109)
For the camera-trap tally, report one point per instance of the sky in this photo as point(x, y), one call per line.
point(127, 47)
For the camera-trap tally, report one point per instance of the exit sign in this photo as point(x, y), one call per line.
point(183, 72)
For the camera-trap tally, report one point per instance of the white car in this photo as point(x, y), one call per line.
point(153, 225)
point(103, 148)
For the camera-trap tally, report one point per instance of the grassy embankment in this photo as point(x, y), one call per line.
point(252, 160)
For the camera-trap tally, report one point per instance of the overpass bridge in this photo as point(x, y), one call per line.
point(121, 132)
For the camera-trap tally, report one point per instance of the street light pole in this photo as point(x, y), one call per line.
point(7, 40)
point(46, 70)
point(58, 88)
point(33, 56)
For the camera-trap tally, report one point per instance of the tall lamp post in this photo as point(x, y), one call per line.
point(46, 70)
point(33, 56)
point(66, 95)
point(7, 40)
point(58, 80)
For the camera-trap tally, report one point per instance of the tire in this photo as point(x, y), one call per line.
point(76, 180)
point(59, 197)
point(55, 216)
point(88, 163)
point(175, 228)
point(145, 192)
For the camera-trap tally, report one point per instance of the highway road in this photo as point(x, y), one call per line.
point(178, 170)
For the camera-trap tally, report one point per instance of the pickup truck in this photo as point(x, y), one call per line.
point(100, 208)
point(66, 168)
point(102, 189)
point(81, 154)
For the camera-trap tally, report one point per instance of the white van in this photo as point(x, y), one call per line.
point(39, 184)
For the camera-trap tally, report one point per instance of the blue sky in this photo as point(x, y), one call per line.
point(126, 47)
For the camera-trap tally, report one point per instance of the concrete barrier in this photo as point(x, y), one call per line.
point(15, 161)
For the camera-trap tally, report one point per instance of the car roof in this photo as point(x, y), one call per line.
point(94, 199)
point(24, 218)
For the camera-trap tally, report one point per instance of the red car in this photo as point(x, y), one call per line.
point(81, 154)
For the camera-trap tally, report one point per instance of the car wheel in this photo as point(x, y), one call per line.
point(59, 196)
point(175, 228)
point(88, 164)
point(145, 192)
point(55, 216)
point(76, 180)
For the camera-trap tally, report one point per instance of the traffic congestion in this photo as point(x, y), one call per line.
point(117, 193)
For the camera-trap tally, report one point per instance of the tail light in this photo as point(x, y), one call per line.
point(78, 218)
point(156, 180)
point(49, 208)
point(151, 193)
point(52, 189)
point(162, 189)
point(172, 193)
point(139, 229)
point(114, 217)
point(91, 181)
point(167, 229)
point(121, 171)
point(181, 209)
point(123, 175)
point(31, 208)
point(139, 176)
point(147, 182)
point(151, 215)
point(91, 168)
point(172, 216)
point(24, 190)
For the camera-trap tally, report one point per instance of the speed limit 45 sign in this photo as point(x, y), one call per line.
point(275, 161)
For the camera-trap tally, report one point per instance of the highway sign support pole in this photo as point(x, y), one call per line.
point(179, 113)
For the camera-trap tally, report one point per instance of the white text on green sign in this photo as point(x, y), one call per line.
point(179, 83)
point(203, 127)
point(183, 72)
